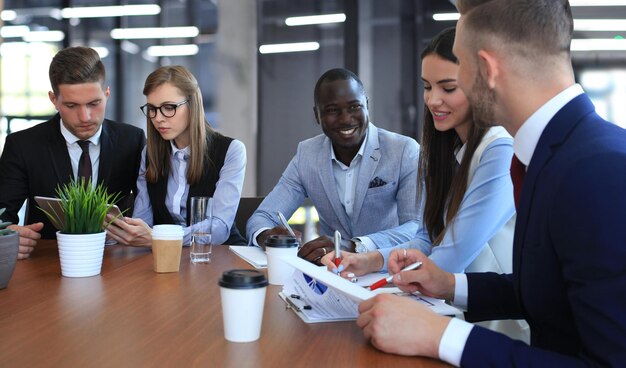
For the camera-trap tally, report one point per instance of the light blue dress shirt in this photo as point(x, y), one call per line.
point(486, 206)
point(225, 199)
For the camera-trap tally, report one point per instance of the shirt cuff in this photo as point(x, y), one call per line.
point(385, 252)
point(453, 341)
point(257, 233)
point(367, 243)
point(460, 291)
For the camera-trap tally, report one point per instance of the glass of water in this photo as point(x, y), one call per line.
point(201, 220)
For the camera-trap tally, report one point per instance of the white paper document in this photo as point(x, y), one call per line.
point(317, 295)
point(253, 255)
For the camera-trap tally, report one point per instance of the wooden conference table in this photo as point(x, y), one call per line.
point(130, 316)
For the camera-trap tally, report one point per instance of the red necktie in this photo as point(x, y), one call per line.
point(518, 170)
point(84, 163)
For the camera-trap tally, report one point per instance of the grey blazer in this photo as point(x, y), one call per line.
point(385, 208)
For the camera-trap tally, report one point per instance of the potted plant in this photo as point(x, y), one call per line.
point(81, 222)
point(9, 244)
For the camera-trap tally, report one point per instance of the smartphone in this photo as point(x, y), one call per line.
point(115, 211)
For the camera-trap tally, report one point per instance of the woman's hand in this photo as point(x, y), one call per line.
point(130, 231)
point(357, 263)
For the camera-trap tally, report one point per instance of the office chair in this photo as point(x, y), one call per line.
point(247, 206)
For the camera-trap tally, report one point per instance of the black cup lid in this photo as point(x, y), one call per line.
point(281, 241)
point(243, 279)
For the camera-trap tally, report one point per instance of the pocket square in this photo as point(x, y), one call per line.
point(377, 182)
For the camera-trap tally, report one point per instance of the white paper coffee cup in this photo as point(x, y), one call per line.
point(167, 244)
point(276, 248)
point(242, 294)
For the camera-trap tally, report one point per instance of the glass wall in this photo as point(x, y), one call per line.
point(35, 29)
point(607, 90)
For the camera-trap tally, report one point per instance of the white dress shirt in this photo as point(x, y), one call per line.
point(345, 180)
point(524, 144)
point(75, 151)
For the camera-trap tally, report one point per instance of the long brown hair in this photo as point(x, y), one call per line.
point(200, 133)
point(444, 184)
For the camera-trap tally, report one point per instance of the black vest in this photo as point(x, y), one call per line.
point(217, 146)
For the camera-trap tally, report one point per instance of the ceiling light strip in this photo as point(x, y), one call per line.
point(316, 19)
point(442, 17)
point(597, 2)
point(14, 31)
point(44, 36)
point(110, 11)
point(598, 44)
point(172, 50)
point(608, 25)
point(288, 47)
point(154, 32)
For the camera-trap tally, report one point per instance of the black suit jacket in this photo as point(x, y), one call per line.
point(35, 161)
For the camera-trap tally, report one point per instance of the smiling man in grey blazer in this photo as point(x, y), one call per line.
point(361, 179)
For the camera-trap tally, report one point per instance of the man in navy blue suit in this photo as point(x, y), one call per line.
point(569, 257)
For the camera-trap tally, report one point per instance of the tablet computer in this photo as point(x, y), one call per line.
point(53, 206)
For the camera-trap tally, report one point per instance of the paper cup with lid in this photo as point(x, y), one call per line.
point(242, 294)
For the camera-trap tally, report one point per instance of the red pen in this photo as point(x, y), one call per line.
point(387, 280)
point(337, 248)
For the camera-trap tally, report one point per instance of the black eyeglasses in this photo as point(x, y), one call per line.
point(167, 110)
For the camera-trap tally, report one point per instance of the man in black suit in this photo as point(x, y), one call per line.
point(36, 160)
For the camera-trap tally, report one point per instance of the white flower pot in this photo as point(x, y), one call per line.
point(81, 254)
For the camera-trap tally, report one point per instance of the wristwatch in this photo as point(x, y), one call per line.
point(359, 247)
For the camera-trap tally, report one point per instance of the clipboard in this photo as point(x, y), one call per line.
point(306, 315)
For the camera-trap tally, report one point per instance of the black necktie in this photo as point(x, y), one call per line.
point(518, 170)
point(84, 164)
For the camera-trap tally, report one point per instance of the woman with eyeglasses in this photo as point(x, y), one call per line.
point(184, 157)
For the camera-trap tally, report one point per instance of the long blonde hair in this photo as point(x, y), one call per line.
point(200, 133)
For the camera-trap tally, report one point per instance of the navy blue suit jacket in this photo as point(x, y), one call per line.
point(569, 253)
point(35, 161)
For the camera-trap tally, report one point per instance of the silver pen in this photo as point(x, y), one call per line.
point(283, 220)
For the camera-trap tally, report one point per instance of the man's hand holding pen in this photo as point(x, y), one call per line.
point(399, 325)
point(428, 279)
point(314, 250)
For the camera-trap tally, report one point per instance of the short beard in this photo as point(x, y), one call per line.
point(483, 100)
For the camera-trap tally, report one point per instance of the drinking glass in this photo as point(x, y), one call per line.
point(200, 222)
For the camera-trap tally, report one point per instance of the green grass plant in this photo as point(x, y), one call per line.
point(84, 207)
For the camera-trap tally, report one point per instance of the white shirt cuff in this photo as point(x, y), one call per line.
point(367, 243)
point(453, 341)
point(257, 233)
point(460, 291)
